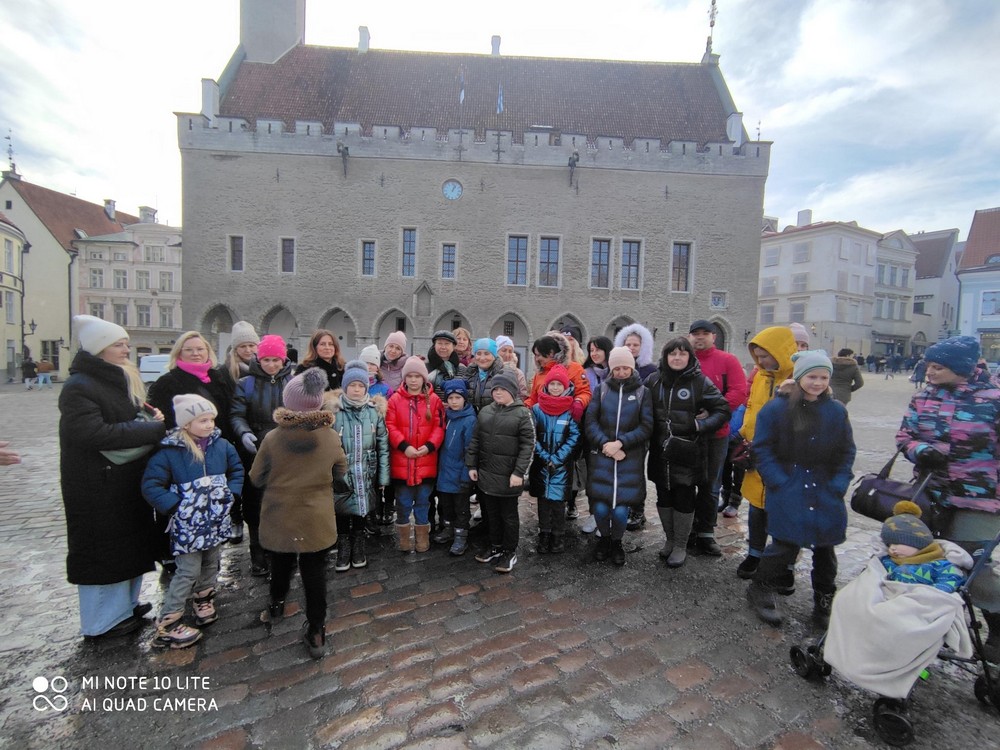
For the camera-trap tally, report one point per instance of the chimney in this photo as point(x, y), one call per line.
point(805, 218)
point(495, 43)
point(269, 28)
point(109, 208)
point(364, 38)
point(209, 100)
point(147, 215)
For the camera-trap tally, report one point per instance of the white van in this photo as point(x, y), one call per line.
point(152, 366)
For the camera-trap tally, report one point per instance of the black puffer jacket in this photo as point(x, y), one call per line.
point(677, 398)
point(110, 529)
point(502, 445)
point(176, 382)
point(480, 390)
point(257, 396)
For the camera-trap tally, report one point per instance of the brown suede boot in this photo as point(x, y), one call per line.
point(422, 532)
point(403, 535)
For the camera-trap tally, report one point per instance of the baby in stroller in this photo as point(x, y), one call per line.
point(909, 606)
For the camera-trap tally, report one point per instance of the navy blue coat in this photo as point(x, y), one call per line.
point(256, 397)
point(556, 438)
point(620, 410)
point(805, 474)
point(453, 475)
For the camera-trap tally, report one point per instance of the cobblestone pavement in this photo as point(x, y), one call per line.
point(431, 651)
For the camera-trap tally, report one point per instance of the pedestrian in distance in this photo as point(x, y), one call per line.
point(29, 372)
point(551, 473)
point(847, 376)
point(295, 466)
point(618, 424)
point(498, 459)
point(193, 479)
point(804, 452)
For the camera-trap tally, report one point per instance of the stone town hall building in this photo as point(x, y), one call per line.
point(366, 190)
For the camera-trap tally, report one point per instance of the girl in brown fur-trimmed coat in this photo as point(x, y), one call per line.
point(299, 464)
point(360, 421)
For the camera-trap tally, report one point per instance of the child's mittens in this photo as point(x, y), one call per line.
point(249, 441)
point(576, 410)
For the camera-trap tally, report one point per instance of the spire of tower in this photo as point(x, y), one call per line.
point(712, 13)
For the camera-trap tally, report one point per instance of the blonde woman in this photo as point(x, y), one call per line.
point(103, 444)
point(192, 369)
point(243, 344)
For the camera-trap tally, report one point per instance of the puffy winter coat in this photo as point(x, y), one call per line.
point(257, 396)
point(417, 420)
point(779, 342)
point(439, 370)
point(501, 447)
point(176, 382)
point(556, 439)
point(577, 377)
point(196, 495)
point(452, 475)
point(846, 378)
point(365, 440)
point(805, 473)
point(111, 533)
point(299, 464)
point(677, 398)
point(392, 371)
point(963, 423)
point(480, 388)
point(726, 374)
point(621, 410)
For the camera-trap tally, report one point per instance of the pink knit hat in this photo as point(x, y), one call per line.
point(305, 392)
point(799, 333)
point(415, 364)
point(621, 357)
point(396, 337)
point(272, 345)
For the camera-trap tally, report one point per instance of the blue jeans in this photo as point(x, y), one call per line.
point(611, 522)
point(196, 572)
point(44, 378)
point(102, 607)
point(415, 499)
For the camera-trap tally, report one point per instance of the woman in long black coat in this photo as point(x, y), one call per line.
point(110, 528)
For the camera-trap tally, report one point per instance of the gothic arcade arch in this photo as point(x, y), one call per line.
point(616, 325)
point(278, 320)
point(453, 319)
point(394, 320)
point(217, 324)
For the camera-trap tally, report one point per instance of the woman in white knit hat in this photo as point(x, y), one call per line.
point(105, 435)
point(243, 343)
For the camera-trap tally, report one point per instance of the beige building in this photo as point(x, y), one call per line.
point(15, 331)
point(368, 191)
point(51, 221)
point(936, 292)
point(133, 278)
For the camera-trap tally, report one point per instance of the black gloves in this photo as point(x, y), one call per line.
point(929, 459)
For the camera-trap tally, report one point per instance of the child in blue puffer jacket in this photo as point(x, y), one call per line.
point(192, 479)
point(551, 476)
point(453, 485)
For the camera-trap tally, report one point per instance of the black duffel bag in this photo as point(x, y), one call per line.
point(875, 496)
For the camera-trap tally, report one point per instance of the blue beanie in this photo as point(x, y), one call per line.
point(355, 371)
point(456, 386)
point(485, 344)
point(959, 354)
point(808, 361)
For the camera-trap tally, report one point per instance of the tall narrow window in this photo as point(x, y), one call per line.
point(166, 281)
point(800, 282)
point(508, 328)
point(548, 261)
point(409, 252)
point(121, 314)
point(448, 261)
point(97, 309)
point(154, 254)
point(121, 279)
point(367, 258)
point(631, 251)
point(166, 317)
point(600, 264)
point(8, 302)
point(142, 317)
point(681, 267)
point(287, 255)
point(8, 255)
point(96, 278)
point(235, 253)
point(517, 260)
point(142, 280)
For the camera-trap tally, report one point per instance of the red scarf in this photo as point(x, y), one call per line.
point(200, 371)
point(554, 405)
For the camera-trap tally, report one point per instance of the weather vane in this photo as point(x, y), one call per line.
point(10, 150)
point(712, 13)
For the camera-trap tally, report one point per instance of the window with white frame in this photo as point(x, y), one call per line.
point(772, 256)
point(904, 277)
point(768, 286)
point(120, 256)
point(166, 281)
point(287, 255)
point(367, 257)
point(142, 316)
point(890, 309)
point(154, 254)
point(236, 253)
point(797, 312)
point(121, 279)
point(409, 252)
point(97, 309)
point(800, 282)
point(142, 280)
point(892, 275)
point(801, 252)
point(990, 304)
point(448, 260)
point(96, 278)
point(631, 262)
point(879, 307)
point(767, 315)
point(8, 255)
point(166, 317)
point(880, 273)
point(548, 261)
point(8, 303)
point(600, 264)
point(121, 314)
point(517, 260)
point(96, 255)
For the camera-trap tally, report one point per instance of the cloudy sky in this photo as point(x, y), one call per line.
point(881, 112)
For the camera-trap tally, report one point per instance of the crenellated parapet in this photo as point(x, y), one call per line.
point(541, 146)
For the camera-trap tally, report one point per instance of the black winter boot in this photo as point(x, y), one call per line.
point(822, 606)
point(603, 549)
point(258, 557)
point(991, 646)
point(617, 552)
point(764, 603)
point(343, 555)
point(358, 557)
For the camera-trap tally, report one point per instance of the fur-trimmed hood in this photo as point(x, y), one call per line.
point(332, 402)
point(562, 356)
point(645, 349)
point(305, 420)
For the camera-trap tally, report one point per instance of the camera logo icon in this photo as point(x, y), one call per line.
point(50, 693)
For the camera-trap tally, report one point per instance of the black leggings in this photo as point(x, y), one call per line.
point(312, 569)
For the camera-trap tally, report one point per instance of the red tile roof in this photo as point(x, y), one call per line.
point(8, 222)
point(670, 101)
point(63, 214)
point(935, 249)
point(984, 238)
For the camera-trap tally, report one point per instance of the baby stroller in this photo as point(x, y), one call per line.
point(884, 633)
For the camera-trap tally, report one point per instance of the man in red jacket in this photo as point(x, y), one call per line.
point(726, 372)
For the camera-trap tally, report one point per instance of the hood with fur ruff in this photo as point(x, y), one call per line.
point(645, 349)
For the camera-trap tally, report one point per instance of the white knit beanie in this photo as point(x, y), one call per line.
point(243, 333)
point(371, 355)
point(190, 406)
point(95, 334)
